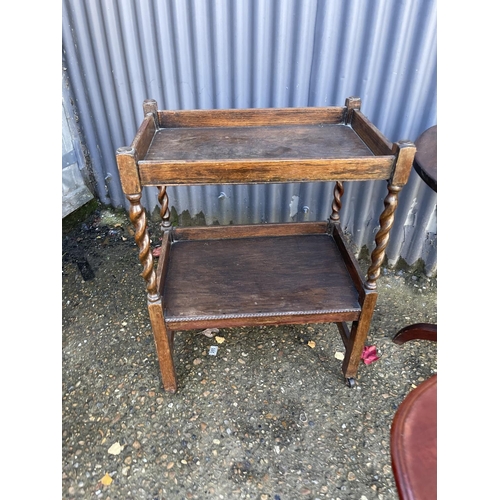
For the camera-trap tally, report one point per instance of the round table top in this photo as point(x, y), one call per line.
point(425, 162)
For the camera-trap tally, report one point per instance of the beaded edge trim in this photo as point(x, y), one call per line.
point(256, 315)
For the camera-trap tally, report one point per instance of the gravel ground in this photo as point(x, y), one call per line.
point(267, 417)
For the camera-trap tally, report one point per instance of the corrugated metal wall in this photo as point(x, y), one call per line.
point(261, 53)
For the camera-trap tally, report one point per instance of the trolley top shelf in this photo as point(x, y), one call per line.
point(260, 145)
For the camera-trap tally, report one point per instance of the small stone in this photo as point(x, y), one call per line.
point(216, 441)
point(115, 449)
point(136, 445)
point(170, 465)
point(305, 491)
point(351, 476)
point(241, 361)
point(197, 361)
point(126, 470)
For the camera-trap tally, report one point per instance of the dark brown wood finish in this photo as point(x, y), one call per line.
point(405, 152)
point(417, 331)
point(126, 160)
point(258, 320)
point(351, 104)
point(348, 257)
point(164, 208)
point(164, 341)
point(337, 201)
point(370, 135)
point(425, 162)
point(144, 137)
point(138, 218)
point(258, 276)
point(261, 171)
point(250, 230)
point(150, 106)
point(358, 334)
point(163, 259)
point(260, 117)
point(263, 274)
point(382, 236)
point(344, 332)
point(284, 142)
point(252, 154)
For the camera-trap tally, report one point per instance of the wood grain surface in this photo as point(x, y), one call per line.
point(257, 276)
point(266, 142)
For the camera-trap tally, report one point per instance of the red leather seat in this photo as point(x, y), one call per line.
point(414, 443)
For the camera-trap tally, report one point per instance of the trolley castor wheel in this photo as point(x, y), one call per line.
point(350, 382)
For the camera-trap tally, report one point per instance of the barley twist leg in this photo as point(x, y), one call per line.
point(382, 237)
point(164, 208)
point(138, 218)
point(337, 201)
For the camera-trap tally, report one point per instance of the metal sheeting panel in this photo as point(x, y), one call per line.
point(208, 54)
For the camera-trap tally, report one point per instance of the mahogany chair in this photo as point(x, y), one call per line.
point(414, 430)
point(417, 331)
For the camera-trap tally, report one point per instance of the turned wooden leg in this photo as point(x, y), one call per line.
point(382, 236)
point(164, 208)
point(138, 218)
point(128, 167)
point(164, 340)
point(337, 201)
point(417, 331)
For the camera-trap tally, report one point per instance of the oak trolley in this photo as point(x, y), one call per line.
point(259, 274)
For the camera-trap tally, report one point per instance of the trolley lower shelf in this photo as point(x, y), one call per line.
point(234, 276)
